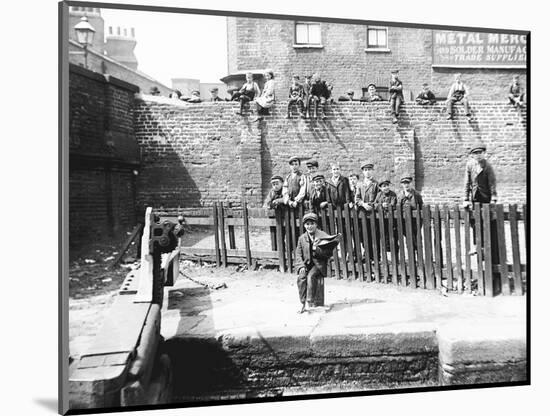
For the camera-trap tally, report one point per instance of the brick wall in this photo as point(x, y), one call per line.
point(103, 154)
point(343, 61)
point(196, 154)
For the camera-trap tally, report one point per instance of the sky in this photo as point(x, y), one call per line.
point(173, 45)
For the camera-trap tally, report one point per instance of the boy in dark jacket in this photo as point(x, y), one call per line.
point(313, 250)
point(387, 199)
point(318, 195)
point(425, 97)
point(337, 187)
point(396, 94)
point(296, 96)
point(275, 197)
point(320, 93)
point(293, 186)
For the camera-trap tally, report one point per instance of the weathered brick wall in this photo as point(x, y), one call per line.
point(103, 154)
point(196, 154)
point(343, 61)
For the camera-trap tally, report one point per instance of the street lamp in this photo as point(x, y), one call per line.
point(84, 35)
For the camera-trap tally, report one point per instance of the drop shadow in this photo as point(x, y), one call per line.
point(48, 404)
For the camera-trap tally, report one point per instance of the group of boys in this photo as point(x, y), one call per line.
point(315, 191)
point(314, 247)
point(458, 94)
point(310, 97)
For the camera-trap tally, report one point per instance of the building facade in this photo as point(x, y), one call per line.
point(351, 56)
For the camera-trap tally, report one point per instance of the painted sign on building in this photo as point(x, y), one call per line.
point(478, 49)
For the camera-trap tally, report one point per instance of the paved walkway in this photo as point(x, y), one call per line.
point(266, 302)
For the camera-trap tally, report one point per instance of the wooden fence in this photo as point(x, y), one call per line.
point(433, 248)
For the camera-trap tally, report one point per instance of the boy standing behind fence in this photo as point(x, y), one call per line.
point(480, 185)
point(368, 189)
point(293, 187)
point(337, 187)
point(275, 197)
point(387, 199)
point(318, 195)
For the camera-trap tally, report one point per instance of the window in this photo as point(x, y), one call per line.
point(377, 37)
point(308, 33)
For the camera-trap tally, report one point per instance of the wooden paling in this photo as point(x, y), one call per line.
point(348, 234)
point(438, 249)
point(458, 250)
point(393, 242)
point(366, 244)
point(332, 224)
point(357, 244)
point(419, 249)
point(480, 274)
point(448, 248)
point(374, 245)
point(411, 264)
point(467, 260)
point(504, 281)
point(518, 285)
point(486, 214)
point(401, 245)
point(430, 283)
point(383, 254)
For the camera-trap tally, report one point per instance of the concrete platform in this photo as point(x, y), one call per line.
point(249, 339)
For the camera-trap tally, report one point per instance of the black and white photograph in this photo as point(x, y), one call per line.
point(264, 207)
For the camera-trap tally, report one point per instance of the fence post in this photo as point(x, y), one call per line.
point(428, 259)
point(419, 248)
point(487, 249)
point(504, 280)
point(458, 250)
point(516, 263)
point(477, 242)
point(333, 230)
point(448, 248)
point(382, 241)
point(468, 266)
point(216, 233)
point(246, 234)
point(280, 244)
point(438, 250)
point(221, 222)
point(401, 244)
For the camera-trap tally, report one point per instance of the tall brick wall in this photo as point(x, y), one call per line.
point(343, 61)
point(103, 154)
point(196, 154)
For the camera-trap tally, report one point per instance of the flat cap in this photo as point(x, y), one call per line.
point(196, 92)
point(319, 177)
point(425, 84)
point(369, 165)
point(350, 91)
point(477, 147)
point(310, 216)
point(214, 89)
point(293, 158)
point(277, 178)
point(312, 162)
point(385, 182)
point(406, 179)
point(394, 71)
point(368, 86)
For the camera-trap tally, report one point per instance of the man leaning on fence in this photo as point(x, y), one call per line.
point(312, 253)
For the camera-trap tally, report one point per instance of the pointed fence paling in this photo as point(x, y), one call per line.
point(443, 247)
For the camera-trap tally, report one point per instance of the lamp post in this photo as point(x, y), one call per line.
point(84, 35)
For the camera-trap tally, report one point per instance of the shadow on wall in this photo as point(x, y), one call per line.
point(163, 181)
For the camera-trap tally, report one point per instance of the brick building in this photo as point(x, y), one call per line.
point(352, 55)
point(111, 53)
